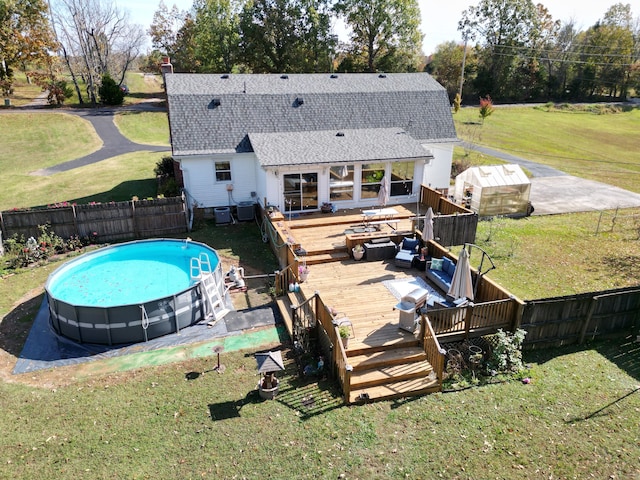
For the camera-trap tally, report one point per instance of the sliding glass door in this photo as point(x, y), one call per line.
point(300, 191)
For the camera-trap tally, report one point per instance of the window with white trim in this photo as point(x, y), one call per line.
point(223, 171)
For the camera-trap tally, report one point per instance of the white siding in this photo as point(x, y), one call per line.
point(200, 180)
point(437, 173)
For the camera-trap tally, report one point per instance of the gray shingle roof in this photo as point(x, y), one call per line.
point(331, 146)
point(212, 114)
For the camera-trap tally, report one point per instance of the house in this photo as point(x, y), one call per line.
point(297, 141)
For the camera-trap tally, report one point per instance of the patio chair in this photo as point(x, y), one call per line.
point(408, 249)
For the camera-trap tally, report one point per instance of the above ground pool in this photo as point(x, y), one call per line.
point(135, 291)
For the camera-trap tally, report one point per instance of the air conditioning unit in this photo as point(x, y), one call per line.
point(222, 215)
point(246, 211)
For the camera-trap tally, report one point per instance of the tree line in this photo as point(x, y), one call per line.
point(290, 36)
point(513, 49)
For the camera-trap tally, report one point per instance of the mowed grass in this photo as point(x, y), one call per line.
point(557, 255)
point(34, 140)
point(578, 418)
point(117, 179)
point(150, 128)
point(602, 147)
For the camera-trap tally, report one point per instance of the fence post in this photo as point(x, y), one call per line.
point(587, 320)
point(75, 220)
point(517, 315)
point(133, 218)
point(467, 319)
point(2, 226)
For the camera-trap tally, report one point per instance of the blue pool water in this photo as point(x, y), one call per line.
point(134, 292)
point(126, 274)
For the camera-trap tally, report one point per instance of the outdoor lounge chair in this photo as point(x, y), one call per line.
point(407, 252)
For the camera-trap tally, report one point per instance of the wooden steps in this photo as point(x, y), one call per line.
point(408, 388)
point(380, 359)
point(370, 378)
point(386, 372)
point(336, 255)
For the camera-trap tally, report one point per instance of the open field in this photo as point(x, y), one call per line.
point(594, 143)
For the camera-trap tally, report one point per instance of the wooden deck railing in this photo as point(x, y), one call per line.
point(339, 360)
point(475, 319)
point(435, 353)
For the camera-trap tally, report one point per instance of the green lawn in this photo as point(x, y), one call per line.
point(556, 255)
point(117, 179)
point(578, 418)
point(602, 147)
point(149, 128)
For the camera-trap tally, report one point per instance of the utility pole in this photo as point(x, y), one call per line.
point(464, 59)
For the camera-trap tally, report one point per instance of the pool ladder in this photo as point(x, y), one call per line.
point(212, 287)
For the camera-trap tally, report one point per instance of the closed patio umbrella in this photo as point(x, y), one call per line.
point(427, 230)
point(461, 283)
point(383, 193)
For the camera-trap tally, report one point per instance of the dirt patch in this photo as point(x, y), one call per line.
point(16, 325)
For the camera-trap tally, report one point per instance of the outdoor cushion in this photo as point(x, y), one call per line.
point(436, 264)
point(448, 266)
point(380, 240)
point(410, 244)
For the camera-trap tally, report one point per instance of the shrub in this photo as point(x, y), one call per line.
point(457, 101)
point(486, 107)
point(507, 351)
point(164, 168)
point(110, 93)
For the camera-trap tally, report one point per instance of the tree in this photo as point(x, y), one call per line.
point(165, 28)
point(184, 57)
point(96, 39)
point(110, 92)
point(486, 107)
point(503, 27)
point(26, 38)
point(217, 35)
point(385, 32)
point(286, 36)
point(447, 65)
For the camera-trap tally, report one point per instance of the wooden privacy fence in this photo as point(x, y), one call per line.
point(108, 222)
point(576, 318)
point(453, 224)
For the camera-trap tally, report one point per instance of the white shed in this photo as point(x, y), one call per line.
point(494, 190)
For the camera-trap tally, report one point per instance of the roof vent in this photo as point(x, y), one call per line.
point(224, 76)
point(333, 75)
point(215, 103)
point(298, 101)
point(284, 77)
point(340, 134)
point(382, 75)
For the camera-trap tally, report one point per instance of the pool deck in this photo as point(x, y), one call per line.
point(238, 330)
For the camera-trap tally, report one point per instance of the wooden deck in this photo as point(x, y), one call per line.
point(387, 362)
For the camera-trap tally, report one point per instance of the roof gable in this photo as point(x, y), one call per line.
point(215, 113)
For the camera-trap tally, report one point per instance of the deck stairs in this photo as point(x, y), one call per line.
point(383, 371)
point(389, 371)
point(335, 254)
